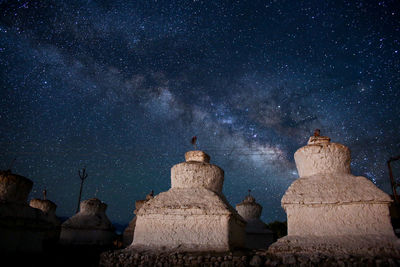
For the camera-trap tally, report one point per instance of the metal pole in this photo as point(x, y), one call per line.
point(80, 195)
point(82, 176)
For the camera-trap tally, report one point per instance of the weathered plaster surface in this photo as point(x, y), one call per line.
point(197, 155)
point(322, 158)
point(331, 211)
point(129, 231)
point(193, 214)
point(331, 220)
point(197, 174)
point(14, 188)
point(257, 233)
point(183, 232)
point(249, 209)
point(188, 201)
point(333, 188)
point(89, 226)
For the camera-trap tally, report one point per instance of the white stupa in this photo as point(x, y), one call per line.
point(193, 215)
point(90, 226)
point(22, 228)
point(331, 211)
point(257, 233)
point(49, 210)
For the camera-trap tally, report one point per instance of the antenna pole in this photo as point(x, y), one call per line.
point(82, 175)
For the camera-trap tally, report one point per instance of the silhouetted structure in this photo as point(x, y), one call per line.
point(257, 233)
point(90, 226)
point(22, 228)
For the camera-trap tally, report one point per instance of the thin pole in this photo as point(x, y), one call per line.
point(82, 176)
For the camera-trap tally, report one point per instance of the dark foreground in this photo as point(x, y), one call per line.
point(104, 257)
point(71, 256)
point(239, 258)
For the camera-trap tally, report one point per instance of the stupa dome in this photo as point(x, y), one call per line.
point(196, 172)
point(324, 168)
point(249, 208)
point(14, 188)
point(322, 156)
point(45, 205)
point(92, 206)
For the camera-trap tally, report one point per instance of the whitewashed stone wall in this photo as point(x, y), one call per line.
point(331, 211)
point(193, 215)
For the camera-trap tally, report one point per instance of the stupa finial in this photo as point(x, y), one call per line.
point(44, 194)
point(150, 195)
point(194, 140)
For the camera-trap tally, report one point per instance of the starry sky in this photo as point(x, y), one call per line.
point(120, 87)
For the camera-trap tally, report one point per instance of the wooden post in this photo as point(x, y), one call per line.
point(82, 176)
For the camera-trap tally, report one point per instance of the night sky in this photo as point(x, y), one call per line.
point(122, 86)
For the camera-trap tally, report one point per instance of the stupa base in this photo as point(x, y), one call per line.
point(70, 236)
point(185, 232)
point(338, 246)
point(23, 229)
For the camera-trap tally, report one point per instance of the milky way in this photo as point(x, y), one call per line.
point(121, 87)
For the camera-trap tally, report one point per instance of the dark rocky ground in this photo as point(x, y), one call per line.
point(55, 256)
point(122, 258)
point(104, 257)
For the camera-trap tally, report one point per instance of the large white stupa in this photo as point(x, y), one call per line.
point(191, 216)
point(331, 211)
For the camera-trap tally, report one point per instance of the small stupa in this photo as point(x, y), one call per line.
point(22, 228)
point(48, 208)
point(257, 233)
point(191, 216)
point(332, 212)
point(90, 226)
point(127, 236)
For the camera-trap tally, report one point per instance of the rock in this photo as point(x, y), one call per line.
point(255, 261)
point(289, 259)
point(341, 264)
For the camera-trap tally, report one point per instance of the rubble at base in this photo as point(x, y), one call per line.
point(128, 257)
